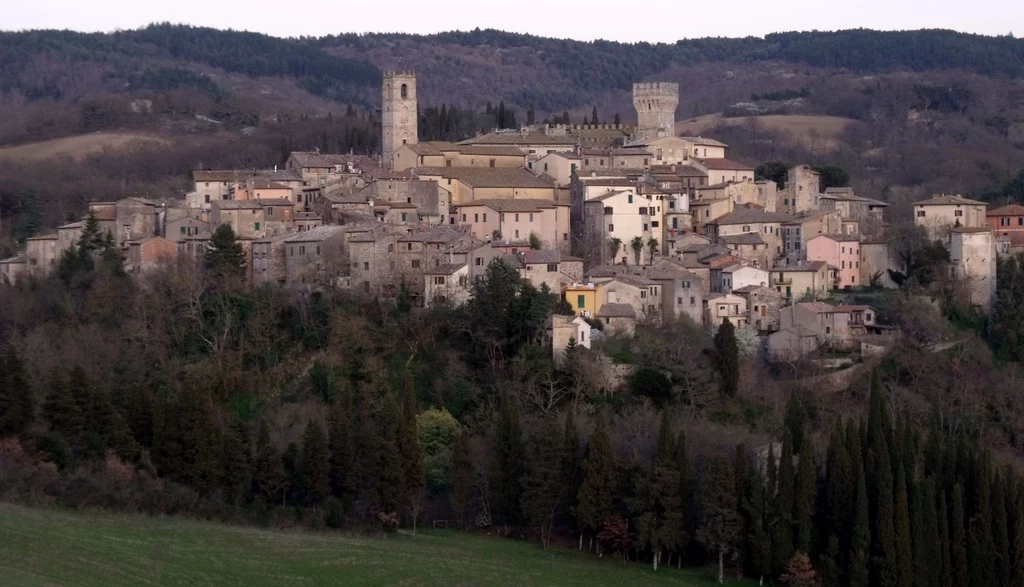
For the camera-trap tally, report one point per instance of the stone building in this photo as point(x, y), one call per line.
point(147, 254)
point(972, 256)
point(655, 104)
point(245, 217)
point(467, 184)
point(268, 260)
point(447, 283)
point(443, 154)
point(314, 257)
point(516, 220)
point(42, 254)
point(763, 306)
point(564, 329)
point(398, 113)
point(802, 190)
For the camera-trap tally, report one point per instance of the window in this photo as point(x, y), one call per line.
point(693, 300)
point(439, 280)
point(302, 249)
point(645, 227)
point(630, 198)
point(318, 250)
point(531, 217)
point(1004, 222)
point(415, 263)
point(485, 216)
point(366, 265)
point(478, 262)
point(958, 213)
point(545, 167)
point(207, 198)
point(552, 267)
point(608, 211)
point(746, 228)
point(183, 230)
point(517, 234)
point(679, 301)
point(476, 218)
point(270, 211)
point(492, 163)
point(404, 216)
point(517, 217)
point(408, 246)
point(463, 217)
point(391, 247)
point(1020, 221)
point(643, 294)
point(920, 213)
point(843, 250)
point(405, 91)
point(843, 265)
point(291, 251)
point(366, 286)
point(828, 330)
point(581, 301)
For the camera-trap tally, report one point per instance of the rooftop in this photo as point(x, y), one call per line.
point(949, 200)
point(616, 311)
point(275, 202)
point(513, 205)
point(237, 205)
point(445, 269)
point(704, 142)
point(970, 229)
point(747, 238)
point(487, 177)
point(751, 215)
point(545, 256)
point(515, 137)
point(802, 267)
point(316, 159)
point(318, 233)
point(725, 164)
point(1009, 210)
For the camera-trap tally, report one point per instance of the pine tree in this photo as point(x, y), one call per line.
point(961, 571)
point(200, 457)
point(682, 459)
point(316, 464)
point(17, 404)
point(90, 241)
point(413, 473)
point(593, 117)
point(544, 483)
point(225, 256)
point(343, 479)
point(236, 470)
point(508, 462)
point(62, 411)
point(463, 480)
point(718, 531)
point(295, 484)
point(803, 504)
point(860, 542)
point(32, 218)
point(741, 470)
point(904, 564)
point(757, 508)
point(884, 559)
point(981, 546)
point(727, 358)
point(596, 494)
point(268, 475)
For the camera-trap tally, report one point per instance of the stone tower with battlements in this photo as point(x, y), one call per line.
point(398, 113)
point(655, 104)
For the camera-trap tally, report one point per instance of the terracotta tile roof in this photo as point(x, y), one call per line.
point(545, 256)
point(949, 200)
point(1008, 210)
point(749, 289)
point(704, 142)
point(487, 177)
point(514, 205)
point(517, 138)
point(237, 205)
point(971, 229)
point(751, 216)
point(725, 164)
point(445, 269)
point(275, 202)
point(319, 233)
point(616, 311)
point(747, 238)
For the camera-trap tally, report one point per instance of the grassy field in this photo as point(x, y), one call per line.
point(75, 147)
point(53, 547)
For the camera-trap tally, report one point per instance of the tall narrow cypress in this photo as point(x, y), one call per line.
point(316, 463)
point(904, 562)
point(413, 473)
point(958, 540)
point(268, 474)
point(17, 403)
point(1000, 531)
point(803, 499)
point(508, 462)
point(860, 542)
point(942, 515)
point(343, 478)
point(782, 538)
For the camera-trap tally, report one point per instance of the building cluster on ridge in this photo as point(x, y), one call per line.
point(627, 223)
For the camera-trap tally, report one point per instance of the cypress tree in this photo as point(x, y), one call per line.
point(544, 483)
point(225, 256)
point(572, 467)
point(62, 411)
point(904, 562)
point(508, 461)
point(596, 494)
point(413, 473)
point(885, 557)
point(685, 492)
point(17, 404)
point(860, 542)
point(960, 568)
point(782, 539)
point(296, 483)
point(727, 358)
point(803, 504)
point(945, 564)
point(719, 516)
point(139, 416)
point(840, 489)
point(268, 475)
point(925, 528)
point(981, 546)
point(655, 502)
point(199, 458)
point(343, 478)
point(463, 480)
point(389, 478)
point(759, 545)
point(1000, 531)
point(830, 570)
point(236, 469)
point(316, 464)
point(741, 470)
point(1017, 544)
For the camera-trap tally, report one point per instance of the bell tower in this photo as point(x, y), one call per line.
point(398, 113)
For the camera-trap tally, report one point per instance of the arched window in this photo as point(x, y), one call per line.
point(405, 91)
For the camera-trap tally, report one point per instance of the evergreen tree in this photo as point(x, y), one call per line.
point(17, 404)
point(508, 461)
point(1017, 544)
point(830, 571)
point(295, 483)
point(727, 358)
point(904, 558)
point(596, 494)
point(544, 483)
point(1000, 531)
point(316, 464)
point(463, 481)
point(618, 119)
point(655, 502)
point(961, 571)
point(268, 476)
point(413, 473)
point(860, 542)
point(782, 537)
point(225, 256)
point(236, 470)
point(803, 505)
point(389, 482)
point(90, 241)
point(840, 488)
point(32, 218)
point(719, 518)
point(757, 509)
point(343, 478)
point(795, 420)
point(572, 467)
point(945, 565)
point(62, 411)
point(682, 459)
point(741, 470)
point(981, 546)
point(200, 459)
point(593, 116)
point(139, 416)
point(884, 559)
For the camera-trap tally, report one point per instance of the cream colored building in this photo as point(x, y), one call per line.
point(467, 184)
point(442, 154)
point(501, 219)
point(723, 170)
point(725, 305)
point(244, 216)
point(941, 213)
point(746, 220)
point(802, 190)
point(623, 215)
point(641, 293)
point(448, 283)
point(808, 279)
point(564, 329)
point(668, 150)
point(42, 254)
point(534, 144)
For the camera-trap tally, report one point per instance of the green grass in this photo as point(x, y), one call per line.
point(54, 547)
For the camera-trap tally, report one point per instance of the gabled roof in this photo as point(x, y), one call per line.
point(747, 238)
point(434, 148)
point(1008, 210)
point(445, 269)
point(545, 256)
point(318, 233)
point(237, 205)
point(487, 177)
point(608, 196)
point(513, 205)
point(725, 164)
point(750, 289)
point(949, 200)
point(970, 229)
point(518, 138)
point(839, 238)
point(275, 202)
point(752, 215)
point(616, 311)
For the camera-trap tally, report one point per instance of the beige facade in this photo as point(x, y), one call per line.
point(972, 256)
point(655, 104)
point(624, 215)
point(617, 319)
point(42, 254)
point(802, 190)
point(808, 326)
point(448, 283)
point(398, 113)
point(749, 220)
point(643, 294)
point(804, 280)
point(722, 306)
point(441, 154)
point(763, 306)
point(467, 184)
point(13, 270)
point(564, 328)
point(941, 213)
point(245, 217)
point(268, 260)
point(550, 268)
point(516, 220)
point(314, 257)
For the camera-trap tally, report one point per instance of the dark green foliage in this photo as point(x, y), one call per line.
point(62, 411)
point(656, 503)
point(727, 358)
point(463, 481)
point(343, 479)
point(384, 464)
point(785, 498)
point(58, 451)
point(961, 571)
point(32, 216)
point(413, 474)
point(508, 462)
point(860, 545)
point(833, 176)
point(236, 465)
point(719, 523)
point(597, 493)
point(316, 464)
point(225, 256)
point(773, 171)
point(269, 478)
point(652, 383)
point(803, 504)
point(544, 482)
point(901, 524)
point(1000, 530)
point(17, 402)
point(796, 420)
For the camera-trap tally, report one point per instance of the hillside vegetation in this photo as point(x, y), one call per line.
point(57, 548)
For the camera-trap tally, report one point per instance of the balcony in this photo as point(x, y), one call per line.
point(782, 280)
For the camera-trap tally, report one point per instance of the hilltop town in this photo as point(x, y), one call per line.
point(626, 223)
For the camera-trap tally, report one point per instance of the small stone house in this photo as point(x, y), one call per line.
point(617, 319)
point(763, 306)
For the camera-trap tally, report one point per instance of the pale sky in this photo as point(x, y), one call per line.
point(597, 19)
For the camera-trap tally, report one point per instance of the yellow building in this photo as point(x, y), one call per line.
point(583, 299)
point(468, 184)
